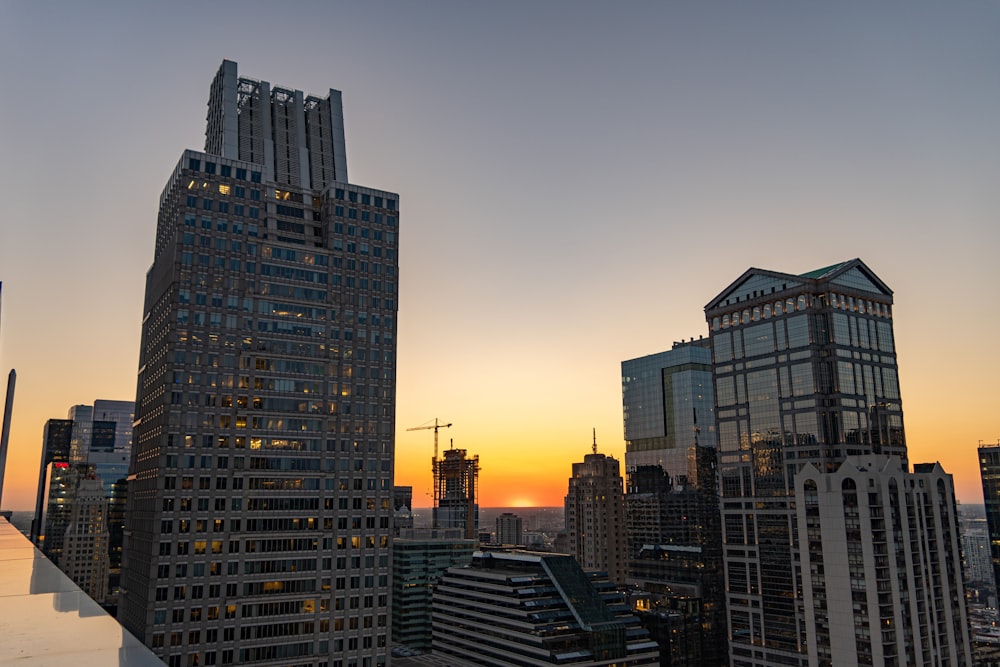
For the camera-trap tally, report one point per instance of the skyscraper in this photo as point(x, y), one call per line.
point(978, 564)
point(882, 564)
point(668, 406)
point(55, 449)
point(989, 472)
point(805, 372)
point(595, 515)
point(260, 494)
point(95, 441)
point(675, 559)
point(85, 554)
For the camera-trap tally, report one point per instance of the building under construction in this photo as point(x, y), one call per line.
point(456, 477)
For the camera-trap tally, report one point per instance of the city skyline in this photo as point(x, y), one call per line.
point(574, 197)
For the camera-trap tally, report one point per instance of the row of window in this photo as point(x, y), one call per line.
point(252, 212)
point(366, 216)
point(802, 302)
point(224, 170)
point(366, 199)
point(221, 225)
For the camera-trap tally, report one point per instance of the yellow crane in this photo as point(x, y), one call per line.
point(436, 425)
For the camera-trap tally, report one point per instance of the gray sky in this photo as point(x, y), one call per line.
point(577, 180)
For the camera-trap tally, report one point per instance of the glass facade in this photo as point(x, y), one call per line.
point(260, 495)
point(668, 407)
point(805, 372)
point(989, 471)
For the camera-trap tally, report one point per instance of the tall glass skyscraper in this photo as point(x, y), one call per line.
point(805, 372)
point(668, 407)
point(989, 471)
point(260, 493)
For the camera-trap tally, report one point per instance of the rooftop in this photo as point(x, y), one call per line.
point(45, 619)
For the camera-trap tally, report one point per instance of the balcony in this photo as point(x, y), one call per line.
point(45, 618)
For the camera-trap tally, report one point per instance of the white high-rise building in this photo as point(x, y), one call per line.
point(84, 556)
point(881, 564)
point(260, 488)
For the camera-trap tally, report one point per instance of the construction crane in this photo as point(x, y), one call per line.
point(436, 425)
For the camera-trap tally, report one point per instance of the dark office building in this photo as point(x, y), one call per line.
point(55, 449)
point(260, 490)
point(989, 470)
point(675, 560)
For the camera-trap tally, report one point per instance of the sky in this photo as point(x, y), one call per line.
point(576, 179)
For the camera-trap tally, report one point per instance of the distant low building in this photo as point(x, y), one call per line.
point(509, 529)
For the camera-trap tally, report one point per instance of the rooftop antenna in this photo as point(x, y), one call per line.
point(594, 448)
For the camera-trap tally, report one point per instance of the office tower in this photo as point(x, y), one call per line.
point(456, 482)
point(595, 515)
point(675, 560)
point(108, 453)
point(509, 529)
point(419, 558)
point(668, 406)
point(672, 510)
point(524, 608)
point(55, 449)
point(85, 553)
point(989, 471)
point(82, 417)
point(881, 563)
point(805, 372)
point(60, 495)
point(260, 493)
point(94, 439)
point(976, 560)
